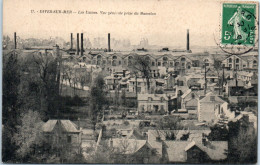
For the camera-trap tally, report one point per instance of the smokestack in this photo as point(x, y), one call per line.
point(188, 40)
point(109, 50)
point(81, 49)
point(77, 43)
point(15, 40)
point(71, 41)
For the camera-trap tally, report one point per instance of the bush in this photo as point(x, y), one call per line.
point(126, 123)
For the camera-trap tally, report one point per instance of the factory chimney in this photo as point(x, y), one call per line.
point(71, 41)
point(109, 50)
point(81, 49)
point(15, 40)
point(77, 44)
point(188, 41)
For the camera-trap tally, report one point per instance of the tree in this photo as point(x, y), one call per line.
point(11, 104)
point(123, 98)
point(243, 148)
point(97, 99)
point(242, 142)
point(218, 68)
point(46, 71)
point(168, 127)
point(142, 64)
point(11, 82)
point(29, 135)
point(218, 133)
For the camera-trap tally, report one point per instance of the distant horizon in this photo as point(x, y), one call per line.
point(172, 47)
point(168, 27)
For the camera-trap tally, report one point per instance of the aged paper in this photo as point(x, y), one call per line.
point(130, 82)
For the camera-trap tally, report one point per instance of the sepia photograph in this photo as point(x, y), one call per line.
point(129, 82)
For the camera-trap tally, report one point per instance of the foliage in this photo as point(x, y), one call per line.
point(97, 99)
point(218, 133)
point(28, 133)
point(142, 65)
point(126, 123)
point(242, 143)
point(11, 81)
point(11, 104)
point(168, 127)
point(72, 101)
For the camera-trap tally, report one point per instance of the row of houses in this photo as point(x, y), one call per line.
point(193, 148)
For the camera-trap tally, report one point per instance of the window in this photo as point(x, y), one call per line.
point(237, 60)
point(149, 108)
point(98, 59)
point(158, 138)
point(114, 63)
point(162, 99)
point(69, 139)
point(119, 62)
point(192, 95)
point(212, 98)
point(230, 60)
point(165, 59)
point(183, 59)
point(162, 107)
point(153, 63)
point(171, 64)
point(150, 99)
point(159, 63)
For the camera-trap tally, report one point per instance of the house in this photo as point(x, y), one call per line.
point(63, 132)
point(141, 85)
point(195, 152)
point(111, 82)
point(153, 103)
point(190, 100)
point(183, 64)
point(235, 87)
point(235, 62)
point(157, 137)
point(137, 151)
point(208, 108)
point(192, 80)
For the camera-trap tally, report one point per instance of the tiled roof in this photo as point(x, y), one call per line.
point(66, 125)
point(186, 93)
point(207, 98)
point(127, 146)
point(177, 150)
point(232, 83)
point(192, 102)
point(155, 97)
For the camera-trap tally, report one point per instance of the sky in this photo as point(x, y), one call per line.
point(167, 28)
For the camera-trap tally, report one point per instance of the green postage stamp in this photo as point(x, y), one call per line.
point(239, 24)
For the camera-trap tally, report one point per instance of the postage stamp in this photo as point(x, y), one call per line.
point(238, 27)
point(238, 24)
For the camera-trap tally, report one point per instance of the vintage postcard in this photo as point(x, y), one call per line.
point(130, 82)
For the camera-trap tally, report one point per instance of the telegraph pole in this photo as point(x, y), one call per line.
point(205, 78)
point(223, 79)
